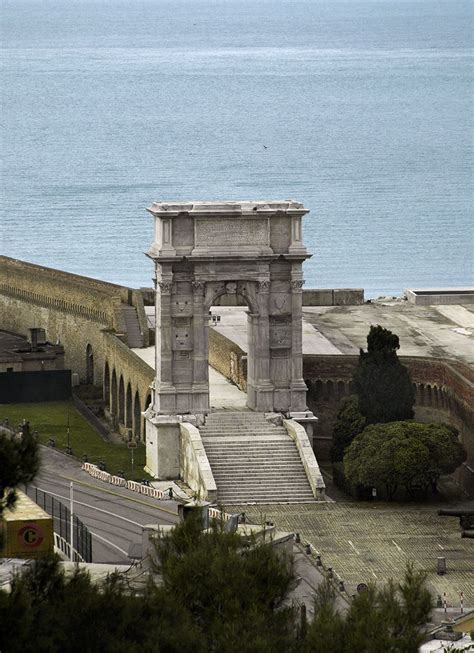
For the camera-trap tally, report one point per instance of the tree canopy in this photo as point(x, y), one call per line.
point(409, 454)
point(73, 615)
point(382, 384)
point(349, 423)
point(19, 462)
point(388, 619)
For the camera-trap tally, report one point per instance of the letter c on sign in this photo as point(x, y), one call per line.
point(30, 536)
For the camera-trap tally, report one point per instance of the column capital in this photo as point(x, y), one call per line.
point(297, 284)
point(198, 287)
point(165, 287)
point(264, 285)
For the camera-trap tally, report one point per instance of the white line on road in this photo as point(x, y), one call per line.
point(441, 547)
point(99, 537)
point(88, 505)
point(358, 552)
point(398, 547)
point(373, 574)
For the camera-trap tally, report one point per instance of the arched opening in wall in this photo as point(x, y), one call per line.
point(128, 409)
point(106, 385)
point(319, 389)
point(89, 365)
point(435, 397)
point(341, 389)
point(121, 401)
point(329, 389)
point(114, 395)
point(137, 411)
point(421, 394)
point(147, 403)
point(429, 400)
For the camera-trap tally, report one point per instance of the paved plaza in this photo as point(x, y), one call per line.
point(366, 542)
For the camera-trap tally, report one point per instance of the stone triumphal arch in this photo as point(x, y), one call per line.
point(203, 250)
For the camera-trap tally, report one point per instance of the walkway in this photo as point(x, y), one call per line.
point(223, 394)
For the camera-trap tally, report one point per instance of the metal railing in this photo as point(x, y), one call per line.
point(82, 539)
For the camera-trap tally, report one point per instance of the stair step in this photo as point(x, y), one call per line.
point(253, 460)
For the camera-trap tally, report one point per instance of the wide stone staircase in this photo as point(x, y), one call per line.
point(253, 461)
point(132, 326)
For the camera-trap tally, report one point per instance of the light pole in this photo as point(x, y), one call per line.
point(71, 525)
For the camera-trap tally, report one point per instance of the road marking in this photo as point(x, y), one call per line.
point(399, 548)
point(117, 494)
point(358, 552)
point(441, 547)
point(88, 505)
point(99, 537)
point(373, 574)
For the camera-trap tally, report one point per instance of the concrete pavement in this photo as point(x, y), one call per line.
point(113, 514)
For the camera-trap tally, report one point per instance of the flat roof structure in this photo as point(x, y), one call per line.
point(436, 331)
point(430, 296)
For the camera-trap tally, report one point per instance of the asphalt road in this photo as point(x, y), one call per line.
point(114, 515)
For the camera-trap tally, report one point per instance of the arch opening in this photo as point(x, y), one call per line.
point(106, 385)
point(128, 408)
point(121, 401)
point(89, 365)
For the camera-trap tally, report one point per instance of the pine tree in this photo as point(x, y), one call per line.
point(383, 385)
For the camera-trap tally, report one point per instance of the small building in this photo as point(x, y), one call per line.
point(32, 370)
point(27, 530)
point(17, 354)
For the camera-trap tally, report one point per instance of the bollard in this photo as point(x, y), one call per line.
point(341, 586)
point(297, 538)
point(330, 572)
point(319, 562)
point(307, 549)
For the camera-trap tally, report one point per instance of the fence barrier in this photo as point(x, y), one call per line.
point(141, 488)
point(82, 539)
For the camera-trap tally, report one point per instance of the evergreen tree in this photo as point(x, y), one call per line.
point(349, 423)
point(19, 463)
point(382, 383)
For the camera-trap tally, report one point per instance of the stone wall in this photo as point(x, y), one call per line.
point(228, 358)
point(127, 381)
point(444, 393)
point(85, 315)
point(311, 297)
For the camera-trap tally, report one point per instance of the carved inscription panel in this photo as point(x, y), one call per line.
point(212, 232)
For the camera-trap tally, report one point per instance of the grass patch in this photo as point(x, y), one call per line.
point(50, 419)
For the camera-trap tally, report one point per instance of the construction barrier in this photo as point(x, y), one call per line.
point(141, 488)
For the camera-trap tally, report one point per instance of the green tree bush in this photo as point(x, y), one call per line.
point(349, 423)
point(389, 619)
point(19, 462)
point(218, 593)
point(409, 454)
point(382, 384)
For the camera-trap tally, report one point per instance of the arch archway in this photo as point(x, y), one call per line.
point(137, 412)
point(114, 394)
point(89, 364)
point(253, 250)
point(121, 401)
point(106, 385)
point(128, 408)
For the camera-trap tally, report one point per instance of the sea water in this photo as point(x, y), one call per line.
point(361, 109)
